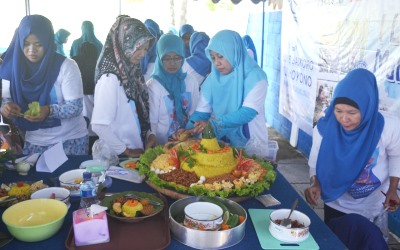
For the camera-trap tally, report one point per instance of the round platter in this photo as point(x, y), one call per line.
point(177, 196)
point(260, 175)
point(107, 202)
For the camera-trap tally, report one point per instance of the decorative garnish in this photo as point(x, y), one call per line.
point(186, 156)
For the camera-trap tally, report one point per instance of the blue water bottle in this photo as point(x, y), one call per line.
point(88, 191)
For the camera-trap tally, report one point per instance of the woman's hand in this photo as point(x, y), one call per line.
point(134, 153)
point(392, 200)
point(44, 113)
point(151, 141)
point(199, 127)
point(11, 110)
point(313, 193)
point(181, 135)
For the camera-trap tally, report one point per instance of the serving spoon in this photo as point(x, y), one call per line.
point(287, 222)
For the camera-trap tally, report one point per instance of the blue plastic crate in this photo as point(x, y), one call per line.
point(394, 222)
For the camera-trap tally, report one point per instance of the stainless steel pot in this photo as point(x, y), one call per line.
point(206, 239)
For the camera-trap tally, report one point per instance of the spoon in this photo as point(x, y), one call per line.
point(287, 222)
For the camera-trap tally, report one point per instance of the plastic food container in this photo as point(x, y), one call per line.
point(290, 235)
point(206, 239)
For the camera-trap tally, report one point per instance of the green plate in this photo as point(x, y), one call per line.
point(122, 164)
point(107, 202)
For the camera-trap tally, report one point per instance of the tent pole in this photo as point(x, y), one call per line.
point(262, 34)
point(27, 8)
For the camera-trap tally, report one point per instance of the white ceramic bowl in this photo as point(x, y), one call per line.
point(203, 215)
point(291, 235)
point(71, 180)
point(61, 194)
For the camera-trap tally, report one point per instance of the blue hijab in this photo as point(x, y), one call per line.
point(248, 42)
point(344, 154)
point(226, 93)
point(198, 59)
point(32, 81)
point(87, 36)
point(59, 39)
point(151, 55)
point(186, 28)
point(174, 83)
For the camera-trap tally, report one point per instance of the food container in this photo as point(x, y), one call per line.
point(35, 220)
point(23, 167)
point(290, 235)
point(206, 239)
point(61, 194)
point(71, 180)
point(203, 215)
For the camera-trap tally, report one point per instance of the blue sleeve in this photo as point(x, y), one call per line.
point(235, 119)
point(197, 116)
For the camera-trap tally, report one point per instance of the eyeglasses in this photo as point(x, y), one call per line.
point(169, 60)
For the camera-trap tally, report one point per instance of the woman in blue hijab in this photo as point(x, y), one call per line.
point(234, 92)
point(197, 64)
point(355, 154)
point(251, 49)
point(185, 32)
point(87, 36)
point(147, 63)
point(32, 71)
point(173, 94)
point(61, 37)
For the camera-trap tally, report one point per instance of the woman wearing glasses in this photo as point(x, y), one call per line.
point(173, 94)
point(121, 101)
point(234, 92)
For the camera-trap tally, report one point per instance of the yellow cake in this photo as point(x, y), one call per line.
point(210, 159)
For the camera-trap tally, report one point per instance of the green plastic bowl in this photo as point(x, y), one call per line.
point(35, 220)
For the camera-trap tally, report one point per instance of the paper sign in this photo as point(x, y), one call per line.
point(51, 159)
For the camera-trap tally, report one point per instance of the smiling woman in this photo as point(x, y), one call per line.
point(173, 94)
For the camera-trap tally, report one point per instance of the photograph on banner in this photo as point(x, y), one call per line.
point(323, 99)
point(321, 42)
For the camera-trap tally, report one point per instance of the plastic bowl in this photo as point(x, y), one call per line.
point(35, 220)
point(71, 180)
point(290, 235)
point(206, 239)
point(61, 194)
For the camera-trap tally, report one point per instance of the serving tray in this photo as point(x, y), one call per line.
point(153, 233)
point(260, 219)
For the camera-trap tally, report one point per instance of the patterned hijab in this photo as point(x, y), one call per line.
point(198, 59)
point(227, 92)
point(174, 83)
point(344, 154)
point(32, 81)
point(125, 37)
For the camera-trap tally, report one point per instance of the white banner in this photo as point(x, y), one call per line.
point(323, 40)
